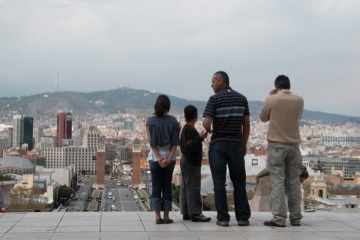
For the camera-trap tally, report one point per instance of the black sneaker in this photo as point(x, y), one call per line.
point(222, 223)
point(243, 222)
point(200, 218)
point(186, 217)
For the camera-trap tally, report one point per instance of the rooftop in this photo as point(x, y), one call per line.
point(141, 225)
point(15, 160)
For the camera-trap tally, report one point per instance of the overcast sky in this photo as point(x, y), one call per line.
point(174, 47)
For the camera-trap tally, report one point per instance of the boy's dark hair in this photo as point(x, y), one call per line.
point(190, 112)
point(282, 82)
point(162, 105)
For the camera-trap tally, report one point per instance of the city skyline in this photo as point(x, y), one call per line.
point(175, 47)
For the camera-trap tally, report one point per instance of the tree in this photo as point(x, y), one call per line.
point(27, 200)
point(64, 194)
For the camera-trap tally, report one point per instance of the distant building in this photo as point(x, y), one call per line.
point(47, 142)
point(318, 186)
point(6, 138)
point(67, 142)
point(136, 156)
point(50, 189)
point(63, 176)
point(64, 126)
point(128, 124)
point(28, 132)
point(100, 164)
point(18, 131)
point(329, 165)
point(124, 153)
point(35, 158)
point(84, 159)
point(330, 139)
point(40, 134)
point(110, 152)
point(23, 131)
point(81, 136)
point(14, 163)
point(91, 139)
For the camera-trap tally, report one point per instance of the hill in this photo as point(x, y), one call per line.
point(124, 100)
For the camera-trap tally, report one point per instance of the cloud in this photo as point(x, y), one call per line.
point(175, 46)
point(334, 8)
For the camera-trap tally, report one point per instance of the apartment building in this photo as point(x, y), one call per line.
point(83, 158)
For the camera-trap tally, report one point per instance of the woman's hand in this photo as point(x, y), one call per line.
point(160, 161)
point(165, 162)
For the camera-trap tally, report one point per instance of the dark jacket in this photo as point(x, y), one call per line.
point(191, 145)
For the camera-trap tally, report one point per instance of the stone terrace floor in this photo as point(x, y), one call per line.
point(141, 225)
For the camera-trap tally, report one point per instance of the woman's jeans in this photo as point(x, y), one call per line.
point(161, 196)
point(231, 153)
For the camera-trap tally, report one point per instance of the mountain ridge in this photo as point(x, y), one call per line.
point(126, 100)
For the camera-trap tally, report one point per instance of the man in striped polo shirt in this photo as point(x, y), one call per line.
point(283, 110)
point(228, 113)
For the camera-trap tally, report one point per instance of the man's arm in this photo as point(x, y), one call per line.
point(265, 112)
point(207, 124)
point(246, 132)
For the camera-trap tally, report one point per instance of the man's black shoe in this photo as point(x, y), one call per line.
point(186, 217)
point(200, 218)
point(296, 223)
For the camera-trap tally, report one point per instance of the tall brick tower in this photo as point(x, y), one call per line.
point(136, 156)
point(100, 163)
point(64, 126)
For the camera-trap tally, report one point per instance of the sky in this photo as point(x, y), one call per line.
point(175, 46)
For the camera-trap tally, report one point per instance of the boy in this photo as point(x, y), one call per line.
point(191, 148)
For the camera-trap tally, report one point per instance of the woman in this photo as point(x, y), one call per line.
point(163, 134)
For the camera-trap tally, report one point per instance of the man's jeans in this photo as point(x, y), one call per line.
point(284, 166)
point(161, 196)
point(222, 153)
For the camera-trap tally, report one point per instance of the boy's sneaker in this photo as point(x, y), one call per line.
point(200, 218)
point(243, 222)
point(222, 224)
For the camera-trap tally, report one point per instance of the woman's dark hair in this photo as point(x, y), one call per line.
point(190, 112)
point(162, 105)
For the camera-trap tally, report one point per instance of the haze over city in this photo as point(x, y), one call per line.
point(175, 47)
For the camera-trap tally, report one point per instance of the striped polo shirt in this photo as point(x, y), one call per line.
point(227, 108)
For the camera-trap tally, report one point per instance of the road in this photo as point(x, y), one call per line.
point(124, 198)
point(78, 202)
